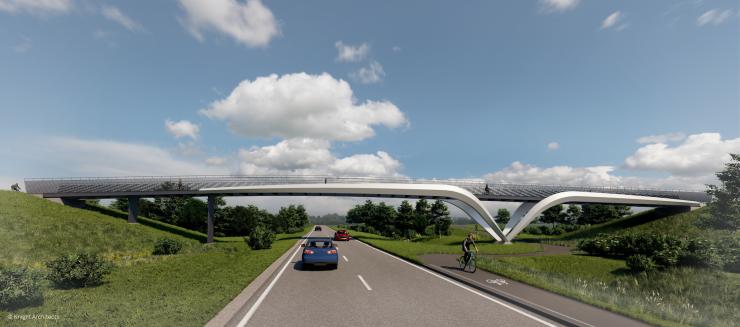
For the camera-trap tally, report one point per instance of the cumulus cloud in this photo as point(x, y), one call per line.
point(553, 146)
point(116, 15)
point(302, 106)
point(36, 6)
point(520, 173)
point(557, 5)
point(182, 128)
point(373, 73)
point(714, 17)
point(612, 20)
point(81, 157)
point(249, 23)
point(313, 157)
point(661, 138)
point(699, 154)
point(351, 53)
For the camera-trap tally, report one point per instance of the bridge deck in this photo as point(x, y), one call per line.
point(149, 186)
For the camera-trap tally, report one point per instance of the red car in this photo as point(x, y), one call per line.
point(341, 235)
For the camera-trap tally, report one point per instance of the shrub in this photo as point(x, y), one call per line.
point(702, 253)
point(639, 263)
point(19, 287)
point(166, 245)
point(78, 270)
point(260, 238)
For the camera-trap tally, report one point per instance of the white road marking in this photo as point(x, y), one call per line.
point(262, 297)
point(526, 314)
point(364, 283)
point(345, 259)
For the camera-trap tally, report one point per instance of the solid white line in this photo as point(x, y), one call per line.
point(523, 300)
point(345, 259)
point(262, 297)
point(364, 283)
point(526, 314)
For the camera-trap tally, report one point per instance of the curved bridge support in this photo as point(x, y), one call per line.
point(535, 209)
point(454, 195)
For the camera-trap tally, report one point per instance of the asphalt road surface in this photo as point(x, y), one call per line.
point(372, 288)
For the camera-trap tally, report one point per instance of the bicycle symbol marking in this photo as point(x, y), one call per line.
point(497, 281)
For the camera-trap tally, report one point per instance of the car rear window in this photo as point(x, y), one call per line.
point(319, 244)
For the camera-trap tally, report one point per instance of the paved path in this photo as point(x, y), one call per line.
point(564, 309)
point(373, 288)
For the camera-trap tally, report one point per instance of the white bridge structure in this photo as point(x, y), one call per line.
point(464, 194)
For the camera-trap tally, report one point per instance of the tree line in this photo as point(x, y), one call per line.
point(405, 221)
point(192, 213)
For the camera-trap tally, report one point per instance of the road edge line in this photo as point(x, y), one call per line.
point(475, 290)
point(228, 313)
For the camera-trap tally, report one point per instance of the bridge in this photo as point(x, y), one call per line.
point(464, 194)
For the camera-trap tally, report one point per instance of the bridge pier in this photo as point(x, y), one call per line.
point(133, 209)
point(211, 214)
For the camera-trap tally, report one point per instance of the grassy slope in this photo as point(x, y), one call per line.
point(450, 244)
point(181, 290)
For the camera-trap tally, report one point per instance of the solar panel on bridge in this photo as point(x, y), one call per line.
point(189, 185)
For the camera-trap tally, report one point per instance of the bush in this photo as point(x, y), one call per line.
point(260, 238)
point(702, 253)
point(639, 263)
point(19, 287)
point(166, 245)
point(78, 270)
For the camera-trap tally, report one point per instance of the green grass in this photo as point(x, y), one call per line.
point(186, 289)
point(450, 244)
point(675, 297)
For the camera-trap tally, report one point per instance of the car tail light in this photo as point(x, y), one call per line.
point(307, 251)
point(332, 252)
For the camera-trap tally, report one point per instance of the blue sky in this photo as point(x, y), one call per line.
point(556, 91)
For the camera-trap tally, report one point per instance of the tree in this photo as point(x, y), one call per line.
point(440, 218)
point(384, 218)
point(119, 204)
point(405, 218)
point(552, 215)
point(503, 216)
point(724, 209)
point(290, 219)
point(360, 213)
point(573, 214)
point(421, 216)
point(599, 213)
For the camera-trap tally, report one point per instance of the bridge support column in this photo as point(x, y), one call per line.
point(211, 213)
point(133, 209)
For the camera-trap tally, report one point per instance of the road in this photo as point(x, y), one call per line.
point(372, 288)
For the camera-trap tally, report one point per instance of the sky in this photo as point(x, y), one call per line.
point(617, 93)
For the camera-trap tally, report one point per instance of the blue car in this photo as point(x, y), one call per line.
point(320, 251)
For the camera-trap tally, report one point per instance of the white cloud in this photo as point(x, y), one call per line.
point(182, 128)
point(115, 14)
point(351, 53)
point(216, 161)
point(302, 106)
point(714, 17)
point(373, 73)
point(553, 146)
point(23, 46)
point(519, 173)
point(557, 5)
point(611, 20)
point(699, 154)
point(313, 157)
point(80, 157)
point(249, 23)
point(396, 48)
point(189, 149)
point(37, 7)
point(662, 138)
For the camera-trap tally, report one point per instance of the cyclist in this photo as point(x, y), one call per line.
point(466, 247)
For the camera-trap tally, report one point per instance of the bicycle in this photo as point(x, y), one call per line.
point(467, 266)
